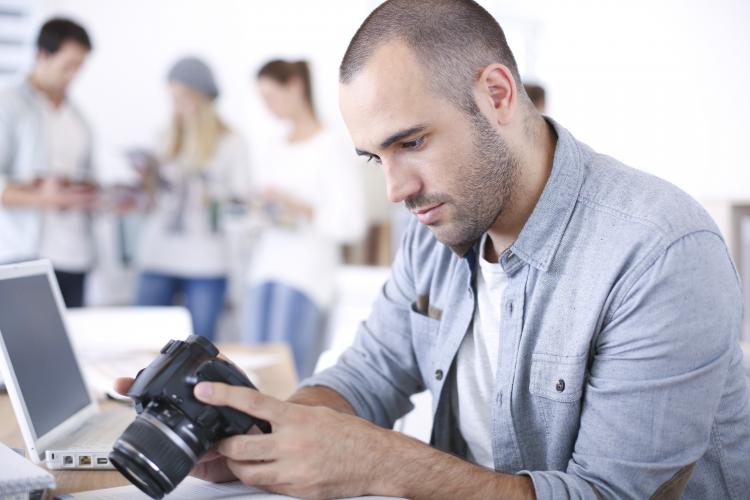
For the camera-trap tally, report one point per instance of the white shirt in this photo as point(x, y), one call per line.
point(65, 236)
point(184, 235)
point(476, 366)
point(324, 173)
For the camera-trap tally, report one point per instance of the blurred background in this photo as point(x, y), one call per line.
point(662, 86)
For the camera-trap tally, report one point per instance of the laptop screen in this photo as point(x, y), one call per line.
point(49, 379)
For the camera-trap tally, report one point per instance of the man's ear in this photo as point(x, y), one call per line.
point(496, 92)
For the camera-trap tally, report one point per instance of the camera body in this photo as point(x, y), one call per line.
point(173, 429)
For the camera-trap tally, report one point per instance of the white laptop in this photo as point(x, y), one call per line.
point(61, 423)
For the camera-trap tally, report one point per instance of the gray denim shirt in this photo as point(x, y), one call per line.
point(24, 155)
point(620, 374)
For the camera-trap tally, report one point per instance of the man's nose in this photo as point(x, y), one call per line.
point(401, 184)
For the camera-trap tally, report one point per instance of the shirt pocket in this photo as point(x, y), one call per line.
point(558, 378)
point(423, 327)
point(557, 385)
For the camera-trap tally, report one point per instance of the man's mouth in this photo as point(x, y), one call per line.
point(428, 215)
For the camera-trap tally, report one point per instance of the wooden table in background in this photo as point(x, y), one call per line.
point(278, 380)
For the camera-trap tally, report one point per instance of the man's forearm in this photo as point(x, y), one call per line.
point(414, 470)
point(18, 195)
point(322, 396)
point(405, 467)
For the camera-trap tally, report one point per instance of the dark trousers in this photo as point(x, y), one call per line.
point(71, 287)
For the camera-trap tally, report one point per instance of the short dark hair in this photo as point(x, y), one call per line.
point(57, 31)
point(454, 40)
point(283, 71)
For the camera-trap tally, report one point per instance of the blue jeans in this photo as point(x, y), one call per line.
point(203, 297)
point(279, 313)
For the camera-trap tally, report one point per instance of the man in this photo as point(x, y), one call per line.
point(45, 163)
point(575, 320)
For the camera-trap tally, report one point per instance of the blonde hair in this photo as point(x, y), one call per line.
point(193, 143)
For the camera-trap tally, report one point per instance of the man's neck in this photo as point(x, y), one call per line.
point(535, 165)
point(54, 97)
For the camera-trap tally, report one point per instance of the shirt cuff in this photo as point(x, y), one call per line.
point(329, 379)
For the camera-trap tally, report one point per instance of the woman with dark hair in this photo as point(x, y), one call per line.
point(312, 197)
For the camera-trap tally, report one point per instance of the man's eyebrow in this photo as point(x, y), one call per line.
point(401, 134)
point(394, 138)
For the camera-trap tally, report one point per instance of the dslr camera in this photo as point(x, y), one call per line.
point(173, 429)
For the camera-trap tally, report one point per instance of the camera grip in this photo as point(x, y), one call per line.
point(219, 370)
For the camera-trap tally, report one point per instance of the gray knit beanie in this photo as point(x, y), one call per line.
point(196, 74)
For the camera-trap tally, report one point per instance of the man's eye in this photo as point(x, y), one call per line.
point(374, 158)
point(413, 144)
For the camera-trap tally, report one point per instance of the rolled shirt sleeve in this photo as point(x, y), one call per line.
point(379, 372)
point(651, 397)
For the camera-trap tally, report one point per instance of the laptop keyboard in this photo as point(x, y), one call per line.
point(99, 432)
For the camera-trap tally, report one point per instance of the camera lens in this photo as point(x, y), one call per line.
point(172, 428)
point(152, 455)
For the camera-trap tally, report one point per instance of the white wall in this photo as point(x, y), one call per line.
point(123, 86)
point(661, 85)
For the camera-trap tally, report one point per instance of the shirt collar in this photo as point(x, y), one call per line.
point(541, 235)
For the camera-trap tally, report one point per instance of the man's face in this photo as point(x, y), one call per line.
point(60, 68)
point(450, 169)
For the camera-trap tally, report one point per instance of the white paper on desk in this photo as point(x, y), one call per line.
point(190, 489)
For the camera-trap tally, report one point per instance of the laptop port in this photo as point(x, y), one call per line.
point(102, 461)
point(67, 460)
point(84, 460)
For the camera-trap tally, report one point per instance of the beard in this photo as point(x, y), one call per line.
point(487, 183)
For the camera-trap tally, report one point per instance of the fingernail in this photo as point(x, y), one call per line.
point(203, 390)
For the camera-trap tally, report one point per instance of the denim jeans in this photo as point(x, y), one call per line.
point(203, 297)
point(279, 313)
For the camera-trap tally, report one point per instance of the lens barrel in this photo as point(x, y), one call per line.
point(149, 458)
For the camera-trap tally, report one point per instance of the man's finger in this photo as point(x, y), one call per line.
point(241, 398)
point(122, 385)
point(244, 447)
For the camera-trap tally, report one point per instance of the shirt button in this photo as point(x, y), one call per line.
point(439, 374)
point(510, 307)
point(560, 387)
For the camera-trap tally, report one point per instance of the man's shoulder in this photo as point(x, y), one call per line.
point(14, 98)
point(614, 190)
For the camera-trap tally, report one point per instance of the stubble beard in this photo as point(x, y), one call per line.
point(486, 189)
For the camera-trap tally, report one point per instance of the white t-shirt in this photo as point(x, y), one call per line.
point(65, 237)
point(324, 173)
point(184, 234)
point(477, 362)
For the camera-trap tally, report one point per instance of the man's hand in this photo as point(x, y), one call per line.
point(317, 452)
point(313, 452)
point(50, 193)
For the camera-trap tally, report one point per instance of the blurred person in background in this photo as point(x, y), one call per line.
point(537, 95)
point(313, 194)
point(200, 166)
point(46, 169)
